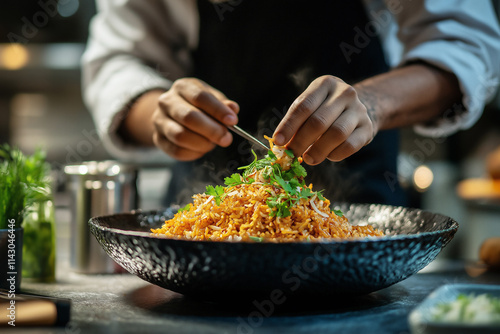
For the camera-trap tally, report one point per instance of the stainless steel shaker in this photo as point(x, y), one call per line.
point(97, 188)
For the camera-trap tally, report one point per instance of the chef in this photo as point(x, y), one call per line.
point(329, 79)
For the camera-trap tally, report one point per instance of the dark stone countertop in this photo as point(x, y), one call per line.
point(123, 303)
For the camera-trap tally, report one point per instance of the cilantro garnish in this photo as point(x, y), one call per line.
point(338, 212)
point(291, 181)
point(233, 180)
point(320, 196)
point(216, 192)
point(185, 208)
point(236, 179)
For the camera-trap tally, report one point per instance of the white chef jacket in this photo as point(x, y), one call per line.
point(139, 45)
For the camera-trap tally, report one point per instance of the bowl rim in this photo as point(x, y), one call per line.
point(94, 221)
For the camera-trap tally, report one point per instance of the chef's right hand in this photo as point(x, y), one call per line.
point(190, 119)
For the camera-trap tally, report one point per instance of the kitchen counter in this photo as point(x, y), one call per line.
point(123, 303)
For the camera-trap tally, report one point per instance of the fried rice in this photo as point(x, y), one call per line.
point(242, 213)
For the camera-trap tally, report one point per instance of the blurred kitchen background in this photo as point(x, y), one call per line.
point(41, 106)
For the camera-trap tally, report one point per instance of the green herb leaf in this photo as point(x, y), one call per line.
point(233, 180)
point(283, 184)
point(320, 196)
point(289, 153)
point(306, 193)
point(185, 208)
point(219, 190)
point(271, 155)
point(210, 190)
point(338, 213)
point(298, 169)
point(285, 211)
point(216, 192)
point(294, 183)
point(250, 167)
point(257, 239)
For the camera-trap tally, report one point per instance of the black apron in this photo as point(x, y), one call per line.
point(263, 54)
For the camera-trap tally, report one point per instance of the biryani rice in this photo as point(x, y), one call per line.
point(243, 213)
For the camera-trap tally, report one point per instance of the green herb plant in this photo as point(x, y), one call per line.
point(23, 182)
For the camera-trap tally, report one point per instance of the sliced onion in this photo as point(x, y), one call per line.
point(205, 203)
point(316, 209)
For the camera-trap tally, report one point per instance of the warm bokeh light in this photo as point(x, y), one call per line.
point(14, 57)
point(423, 177)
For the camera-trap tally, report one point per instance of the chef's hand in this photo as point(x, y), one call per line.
point(188, 121)
point(327, 121)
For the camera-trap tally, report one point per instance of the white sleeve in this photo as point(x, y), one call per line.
point(459, 36)
point(134, 46)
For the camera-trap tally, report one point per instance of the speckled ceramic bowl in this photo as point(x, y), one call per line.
point(248, 269)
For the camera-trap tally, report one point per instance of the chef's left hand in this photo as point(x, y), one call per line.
point(327, 121)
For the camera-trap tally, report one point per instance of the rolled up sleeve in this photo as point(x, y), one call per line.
point(134, 46)
point(462, 37)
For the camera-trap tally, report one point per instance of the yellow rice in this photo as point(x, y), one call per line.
point(243, 213)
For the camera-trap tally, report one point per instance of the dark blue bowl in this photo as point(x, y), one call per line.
point(221, 270)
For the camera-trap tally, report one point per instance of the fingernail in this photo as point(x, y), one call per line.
point(233, 106)
point(226, 140)
point(230, 119)
point(308, 159)
point(279, 139)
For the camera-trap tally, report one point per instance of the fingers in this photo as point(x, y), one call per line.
point(188, 119)
point(299, 112)
point(338, 132)
point(208, 99)
point(327, 121)
point(181, 136)
point(175, 151)
point(353, 144)
point(195, 120)
point(320, 122)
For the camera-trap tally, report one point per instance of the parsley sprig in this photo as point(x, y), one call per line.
point(217, 192)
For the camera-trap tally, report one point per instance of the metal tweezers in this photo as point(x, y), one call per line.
point(236, 129)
